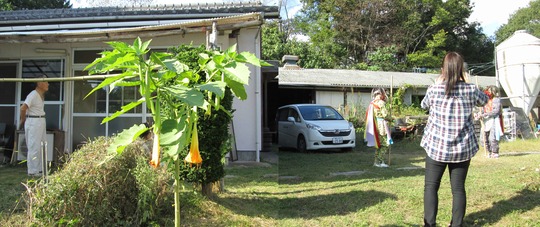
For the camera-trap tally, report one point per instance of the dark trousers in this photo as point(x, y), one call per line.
point(434, 173)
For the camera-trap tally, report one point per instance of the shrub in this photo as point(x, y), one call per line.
point(213, 130)
point(91, 190)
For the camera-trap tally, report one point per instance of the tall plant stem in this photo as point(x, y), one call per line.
point(177, 192)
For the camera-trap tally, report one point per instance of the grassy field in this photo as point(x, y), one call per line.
point(344, 189)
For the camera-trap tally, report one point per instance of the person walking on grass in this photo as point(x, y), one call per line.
point(449, 138)
point(377, 133)
point(492, 117)
point(33, 121)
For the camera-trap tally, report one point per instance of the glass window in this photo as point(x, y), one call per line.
point(86, 56)
point(90, 103)
point(51, 68)
point(9, 70)
point(86, 128)
point(54, 106)
point(7, 114)
point(293, 113)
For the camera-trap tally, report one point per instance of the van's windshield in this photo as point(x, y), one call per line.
point(313, 113)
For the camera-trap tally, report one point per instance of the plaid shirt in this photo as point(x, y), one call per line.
point(449, 133)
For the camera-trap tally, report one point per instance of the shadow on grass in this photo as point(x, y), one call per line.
point(307, 207)
point(526, 200)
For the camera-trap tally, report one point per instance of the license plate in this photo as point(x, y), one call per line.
point(337, 140)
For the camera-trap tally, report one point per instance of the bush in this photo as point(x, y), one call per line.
point(214, 137)
point(91, 190)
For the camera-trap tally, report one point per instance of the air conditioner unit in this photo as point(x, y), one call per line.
point(22, 150)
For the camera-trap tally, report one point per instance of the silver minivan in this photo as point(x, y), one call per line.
point(312, 127)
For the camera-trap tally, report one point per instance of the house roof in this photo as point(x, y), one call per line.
point(107, 23)
point(362, 79)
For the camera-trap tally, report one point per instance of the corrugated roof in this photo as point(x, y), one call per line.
point(175, 11)
point(62, 35)
point(108, 23)
point(359, 78)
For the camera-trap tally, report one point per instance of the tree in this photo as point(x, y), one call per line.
point(316, 21)
point(98, 3)
point(274, 41)
point(39, 4)
point(351, 30)
point(5, 5)
point(527, 18)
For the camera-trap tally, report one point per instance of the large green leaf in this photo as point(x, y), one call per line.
point(104, 83)
point(124, 83)
point(120, 46)
point(172, 131)
point(203, 58)
point(237, 71)
point(238, 89)
point(173, 151)
point(216, 87)
point(175, 65)
point(124, 109)
point(252, 59)
point(190, 96)
point(123, 139)
point(218, 59)
point(144, 47)
point(231, 52)
point(159, 57)
point(121, 63)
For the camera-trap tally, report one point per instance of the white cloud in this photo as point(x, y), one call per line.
point(491, 14)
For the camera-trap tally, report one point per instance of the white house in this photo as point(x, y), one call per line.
point(62, 42)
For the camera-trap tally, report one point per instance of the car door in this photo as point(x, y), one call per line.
point(286, 128)
point(282, 126)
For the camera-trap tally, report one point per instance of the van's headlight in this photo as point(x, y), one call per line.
point(351, 125)
point(312, 126)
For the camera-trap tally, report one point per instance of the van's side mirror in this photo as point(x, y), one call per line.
point(291, 119)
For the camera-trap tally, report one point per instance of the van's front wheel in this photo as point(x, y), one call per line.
point(301, 145)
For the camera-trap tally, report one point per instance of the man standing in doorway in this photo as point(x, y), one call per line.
point(33, 120)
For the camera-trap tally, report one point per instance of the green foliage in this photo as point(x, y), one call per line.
point(431, 56)
point(527, 18)
point(213, 129)
point(164, 80)
point(400, 109)
point(354, 113)
point(5, 5)
point(273, 41)
point(124, 191)
point(385, 59)
point(344, 33)
point(39, 4)
point(397, 98)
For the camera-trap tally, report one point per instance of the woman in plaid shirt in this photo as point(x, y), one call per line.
point(449, 138)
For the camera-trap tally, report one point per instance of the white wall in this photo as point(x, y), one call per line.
point(247, 115)
point(332, 98)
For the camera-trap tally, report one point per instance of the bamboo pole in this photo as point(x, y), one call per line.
point(391, 123)
point(58, 79)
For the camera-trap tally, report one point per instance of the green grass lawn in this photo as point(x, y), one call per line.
point(344, 189)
